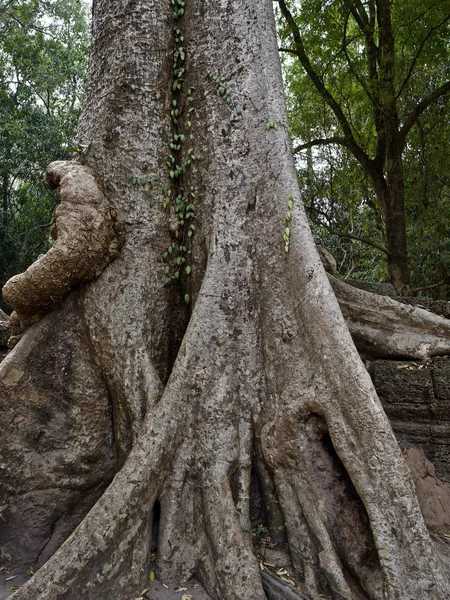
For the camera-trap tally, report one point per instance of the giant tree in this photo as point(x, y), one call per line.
point(184, 344)
point(370, 69)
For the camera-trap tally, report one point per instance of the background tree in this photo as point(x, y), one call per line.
point(369, 73)
point(43, 55)
point(208, 364)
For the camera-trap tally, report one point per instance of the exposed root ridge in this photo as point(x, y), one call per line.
point(105, 546)
point(236, 568)
point(88, 234)
point(381, 326)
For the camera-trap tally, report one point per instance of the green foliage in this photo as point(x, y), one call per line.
point(43, 54)
point(370, 90)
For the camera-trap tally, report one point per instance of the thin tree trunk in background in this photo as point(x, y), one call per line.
point(5, 198)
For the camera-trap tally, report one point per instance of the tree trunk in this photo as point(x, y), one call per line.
point(392, 201)
point(237, 380)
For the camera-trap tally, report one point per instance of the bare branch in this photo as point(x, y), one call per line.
point(420, 108)
point(427, 287)
point(350, 140)
point(346, 234)
point(288, 51)
point(320, 142)
point(352, 236)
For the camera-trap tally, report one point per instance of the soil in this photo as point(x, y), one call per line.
point(11, 580)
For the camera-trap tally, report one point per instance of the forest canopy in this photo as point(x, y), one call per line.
point(43, 55)
point(368, 88)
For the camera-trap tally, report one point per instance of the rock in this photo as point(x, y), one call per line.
point(16, 331)
point(434, 496)
point(416, 398)
point(5, 332)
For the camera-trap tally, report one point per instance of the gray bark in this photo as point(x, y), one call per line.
point(257, 373)
point(384, 328)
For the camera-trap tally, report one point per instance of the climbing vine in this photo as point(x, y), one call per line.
point(177, 199)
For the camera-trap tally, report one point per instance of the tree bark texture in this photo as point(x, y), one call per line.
point(381, 327)
point(238, 379)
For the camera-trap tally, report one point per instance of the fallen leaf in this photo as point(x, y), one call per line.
point(181, 589)
point(261, 566)
point(9, 578)
point(13, 588)
point(186, 597)
point(152, 575)
point(166, 586)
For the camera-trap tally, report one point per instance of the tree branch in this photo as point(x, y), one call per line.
point(420, 108)
point(288, 51)
point(350, 63)
point(419, 51)
point(351, 236)
point(350, 141)
point(345, 234)
point(320, 142)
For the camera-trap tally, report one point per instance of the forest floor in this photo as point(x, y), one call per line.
point(11, 581)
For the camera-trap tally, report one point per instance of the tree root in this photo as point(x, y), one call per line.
point(194, 456)
point(88, 234)
point(108, 550)
point(275, 590)
point(382, 327)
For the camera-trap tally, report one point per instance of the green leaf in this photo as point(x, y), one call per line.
point(188, 270)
